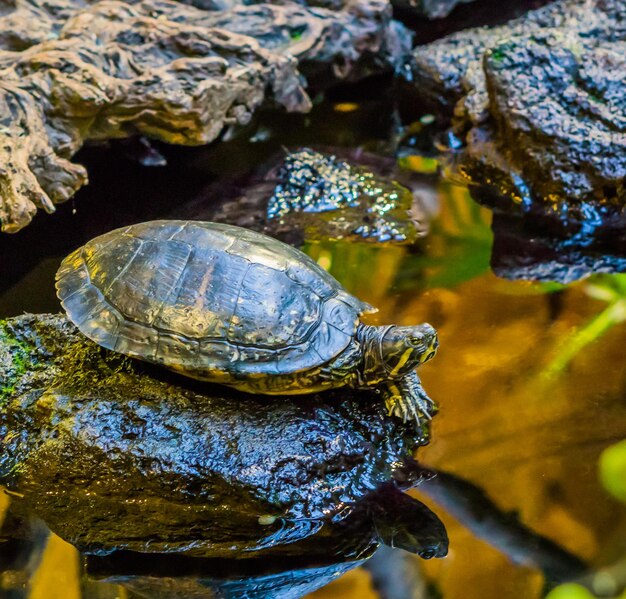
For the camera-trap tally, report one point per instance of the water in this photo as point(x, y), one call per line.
point(522, 416)
point(530, 377)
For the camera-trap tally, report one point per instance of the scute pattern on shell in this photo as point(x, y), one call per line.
point(202, 296)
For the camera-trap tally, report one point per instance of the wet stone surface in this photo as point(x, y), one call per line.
point(532, 244)
point(114, 455)
point(310, 182)
point(305, 194)
point(539, 113)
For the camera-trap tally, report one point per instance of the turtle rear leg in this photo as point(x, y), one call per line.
point(406, 399)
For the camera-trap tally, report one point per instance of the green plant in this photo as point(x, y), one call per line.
point(610, 289)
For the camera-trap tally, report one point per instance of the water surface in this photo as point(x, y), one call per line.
point(530, 377)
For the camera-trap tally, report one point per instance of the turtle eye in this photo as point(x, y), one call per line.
point(413, 341)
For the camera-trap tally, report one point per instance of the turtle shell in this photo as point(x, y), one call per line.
point(207, 298)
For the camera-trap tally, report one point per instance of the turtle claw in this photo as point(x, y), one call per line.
point(406, 410)
point(408, 400)
point(426, 408)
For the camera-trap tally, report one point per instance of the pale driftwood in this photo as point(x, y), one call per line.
point(71, 73)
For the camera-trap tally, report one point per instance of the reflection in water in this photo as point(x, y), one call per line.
point(610, 289)
point(538, 242)
point(456, 250)
point(531, 441)
point(36, 565)
point(399, 520)
point(30, 560)
point(155, 577)
point(470, 505)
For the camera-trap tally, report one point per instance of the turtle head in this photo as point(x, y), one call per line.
point(404, 522)
point(402, 349)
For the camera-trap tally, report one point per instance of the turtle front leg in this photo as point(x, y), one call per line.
point(406, 399)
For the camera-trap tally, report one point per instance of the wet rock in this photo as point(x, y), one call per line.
point(115, 454)
point(309, 182)
point(310, 195)
point(539, 112)
point(162, 69)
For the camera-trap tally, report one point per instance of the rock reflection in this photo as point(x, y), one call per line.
point(539, 244)
point(504, 531)
point(160, 577)
point(388, 516)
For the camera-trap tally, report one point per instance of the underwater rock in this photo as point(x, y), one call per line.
point(161, 69)
point(539, 112)
point(114, 454)
point(311, 195)
point(309, 182)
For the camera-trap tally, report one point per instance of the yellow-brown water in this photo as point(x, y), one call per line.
point(523, 415)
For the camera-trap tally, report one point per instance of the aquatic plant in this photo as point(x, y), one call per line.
point(608, 288)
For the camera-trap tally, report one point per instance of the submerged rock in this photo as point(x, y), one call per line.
point(116, 455)
point(74, 72)
point(310, 195)
point(539, 112)
point(309, 182)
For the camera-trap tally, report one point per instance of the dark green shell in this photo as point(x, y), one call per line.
point(208, 299)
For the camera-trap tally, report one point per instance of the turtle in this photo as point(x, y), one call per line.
point(228, 305)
